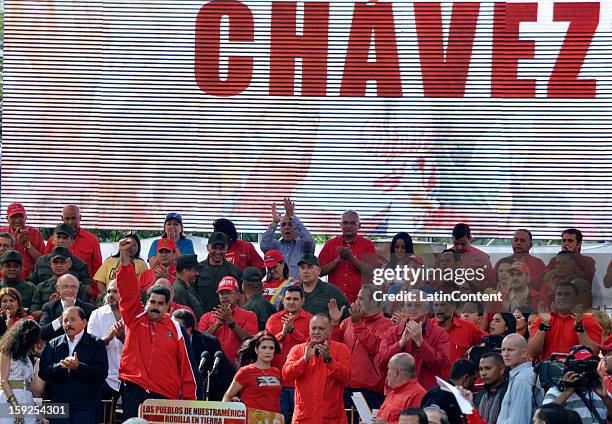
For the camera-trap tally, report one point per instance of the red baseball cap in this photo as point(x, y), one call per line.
point(228, 283)
point(15, 208)
point(606, 347)
point(273, 257)
point(582, 354)
point(166, 243)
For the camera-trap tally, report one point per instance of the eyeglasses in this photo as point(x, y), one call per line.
point(516, 273)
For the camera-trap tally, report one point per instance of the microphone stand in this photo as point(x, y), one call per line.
point(209, 373)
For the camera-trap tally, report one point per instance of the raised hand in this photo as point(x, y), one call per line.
point(544, 313)
point(275, 215)
point(356, 312)
point(334, 313)
point(310, 351)
point(289, 207)
point(287, 322)
point(125, 245)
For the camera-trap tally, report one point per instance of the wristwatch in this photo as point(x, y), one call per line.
point(231, 325)
point(544, 327)
point(580, 328)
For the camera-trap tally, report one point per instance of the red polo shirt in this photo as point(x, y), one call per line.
point(86, 247)
point(301, 323)
point(463, 335)
point(243, 254)
point(36, 240)
point(345, 275)
point(230, 344)
point(147, 277)
point(586, 264)
point(408, 395)
point(562, 335)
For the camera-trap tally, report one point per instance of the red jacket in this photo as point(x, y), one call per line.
point(364, 339)
point(319, 387)
point(154, 354)
point(430, 358)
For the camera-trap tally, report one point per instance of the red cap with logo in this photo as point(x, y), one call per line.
point(228, 283)
point(273, 257)
point(166, 243)
point(15, 208)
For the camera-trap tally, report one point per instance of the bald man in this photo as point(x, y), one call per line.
point(517, 404)
point(85, 246)
point(406, 392)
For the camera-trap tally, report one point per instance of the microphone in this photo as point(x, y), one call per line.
point(218, 356)
point(205, 357)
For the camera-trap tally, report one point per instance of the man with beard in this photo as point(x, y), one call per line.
point(295, 239)
point(155, 362)
point(571, 241)
point(519, 294)
point(564, 328)
point(417, 335)
point(106, 323)
point(51, 321)
point(229, 323)
point(463, 334)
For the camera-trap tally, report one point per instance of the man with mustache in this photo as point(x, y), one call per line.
point(10, 270)
point(74, 366)
point(155, 361)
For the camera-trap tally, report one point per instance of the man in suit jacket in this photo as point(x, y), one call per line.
point(201, 342)
point(74, 366)
point(51, 322)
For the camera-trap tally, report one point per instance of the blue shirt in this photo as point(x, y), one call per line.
point(517, 405)
point(184, 245)
point(293, 250)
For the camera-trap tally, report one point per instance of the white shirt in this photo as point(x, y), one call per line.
point(100, 322)
point(72, 344)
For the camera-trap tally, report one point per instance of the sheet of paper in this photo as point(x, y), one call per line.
point(362, 407)
point(464, 404)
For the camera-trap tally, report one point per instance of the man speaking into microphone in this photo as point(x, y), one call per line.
point(321, 368)
point(155, 361)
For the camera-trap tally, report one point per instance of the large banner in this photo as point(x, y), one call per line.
point(417, 114)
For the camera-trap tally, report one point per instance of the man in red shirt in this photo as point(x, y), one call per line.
point(571, 241)
point(522, 242)
point(348, 259)
point(428, 344)
point(559, 331)
point(85, 246)
point(155, 360)
point(320, 369)
point(363, 333)
point(239, 252)
point(406, 392)
point(28, 240)
point(165, 265)
point(463, 334)
point(290, 327)
point(227, 322)
point(472, 257)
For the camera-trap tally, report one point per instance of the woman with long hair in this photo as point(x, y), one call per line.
point(278, 277)
point(173, 229)
point(502, 324)
point(108, 270)
point(255, 358)
point(19, 379)
point(11, 310)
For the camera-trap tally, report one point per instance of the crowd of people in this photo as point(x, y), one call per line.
point(269, 332)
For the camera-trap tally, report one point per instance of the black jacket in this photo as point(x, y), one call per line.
point(81, 387)
point(51, 311)
point(223, 375)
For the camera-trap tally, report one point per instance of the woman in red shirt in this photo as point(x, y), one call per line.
point(258, 383)
point(10, 306)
